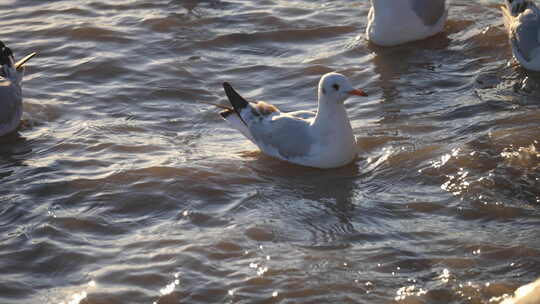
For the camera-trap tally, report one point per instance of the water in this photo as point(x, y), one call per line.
point(124, 188)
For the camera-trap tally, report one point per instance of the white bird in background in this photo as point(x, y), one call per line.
point(393, 22)
point(11, 75)
point(526, 294)
point(522, 21)
point(323, 139)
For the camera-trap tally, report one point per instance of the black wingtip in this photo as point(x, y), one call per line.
point(238, 102)
point(226, 113)
point(6, 55)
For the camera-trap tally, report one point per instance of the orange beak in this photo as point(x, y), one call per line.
point(18, 65)
point(358, 92)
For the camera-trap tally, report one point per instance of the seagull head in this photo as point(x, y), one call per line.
point(335, 87)
point(6, 55)
point(517, 7)
point(8, 67)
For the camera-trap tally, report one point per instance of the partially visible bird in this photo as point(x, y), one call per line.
point(393, 22)
point(522, 21)
point(322, 139)
point(526, 294)
point(11, 74)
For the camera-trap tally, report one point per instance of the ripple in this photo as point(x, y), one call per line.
point(123, 179)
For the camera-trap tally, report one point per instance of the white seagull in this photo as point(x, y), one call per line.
point(522, 21)
point(323, 139)
point(393, 22)
point(11, 74)
point(526, 294)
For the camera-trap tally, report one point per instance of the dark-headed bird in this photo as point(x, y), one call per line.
point(11, 74)
point(322, 139)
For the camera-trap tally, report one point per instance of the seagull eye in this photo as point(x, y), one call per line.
point(335, 86)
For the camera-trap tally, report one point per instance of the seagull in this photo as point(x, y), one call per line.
point(522, 21)
point(11, 74)
point(393, 22)
point(526, 294)
point(323, 139)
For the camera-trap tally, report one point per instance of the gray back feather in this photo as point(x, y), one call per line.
point(10, 100)
point(430, 11)
point(293, 129)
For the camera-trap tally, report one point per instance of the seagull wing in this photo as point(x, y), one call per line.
point(279, 134)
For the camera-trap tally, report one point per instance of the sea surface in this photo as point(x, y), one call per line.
point(125, 187)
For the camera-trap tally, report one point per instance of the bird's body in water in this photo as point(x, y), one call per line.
point(394, 22)
point(522, 22)
point(11, 75)
point(321, 139)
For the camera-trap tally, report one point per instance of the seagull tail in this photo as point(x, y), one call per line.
point(508, 19)
point(236, 122)
point(233, 116)
point(230, 115)
point(238, 102)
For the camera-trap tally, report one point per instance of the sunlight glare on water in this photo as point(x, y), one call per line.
point(123, 187)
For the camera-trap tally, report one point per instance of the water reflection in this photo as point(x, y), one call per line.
point(393, 64)
point(13, 149)
point(9, 140)
point(496, 175)
point(316, 194)
point(81, 295)
point(169, 288)
point(192, 6)
point(169, 191)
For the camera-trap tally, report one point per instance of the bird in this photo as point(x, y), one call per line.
point(322, 139)
point(526, 294)
point(394, 22)
point(11, 74)
point(522, 22)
